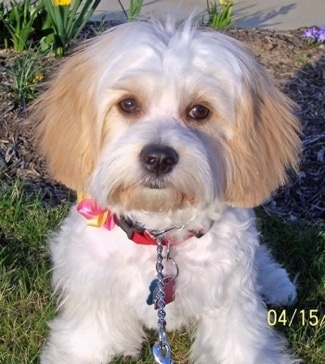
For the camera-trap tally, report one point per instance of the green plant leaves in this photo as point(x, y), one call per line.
point(220, 16)
point(57, 26)
point(17, 20)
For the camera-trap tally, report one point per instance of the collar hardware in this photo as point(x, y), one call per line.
point(135, 232)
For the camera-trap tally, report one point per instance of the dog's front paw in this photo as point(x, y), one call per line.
point(280, 293)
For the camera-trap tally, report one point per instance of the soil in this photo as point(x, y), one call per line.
point(299, 71)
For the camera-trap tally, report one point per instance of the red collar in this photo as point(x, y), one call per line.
point(99, 217)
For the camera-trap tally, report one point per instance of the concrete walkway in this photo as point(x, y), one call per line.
point(271, 14)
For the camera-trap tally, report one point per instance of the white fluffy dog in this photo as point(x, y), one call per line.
point(176, 130)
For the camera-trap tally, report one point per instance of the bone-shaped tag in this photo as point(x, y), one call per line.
point(169, 290)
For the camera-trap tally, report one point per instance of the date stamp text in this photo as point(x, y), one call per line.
point(311, 317)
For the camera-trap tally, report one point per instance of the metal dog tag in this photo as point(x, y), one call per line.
point(169, 290)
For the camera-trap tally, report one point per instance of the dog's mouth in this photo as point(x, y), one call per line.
point(151, 195)
point(156, 183)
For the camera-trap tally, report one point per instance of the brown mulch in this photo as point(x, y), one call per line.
point(298, 70)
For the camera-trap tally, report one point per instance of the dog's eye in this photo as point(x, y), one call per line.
point(199, 112)
point(129, 106)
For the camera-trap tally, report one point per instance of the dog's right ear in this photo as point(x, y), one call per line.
point(66, 122)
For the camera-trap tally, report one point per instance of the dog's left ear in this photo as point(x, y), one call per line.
point(265, 141)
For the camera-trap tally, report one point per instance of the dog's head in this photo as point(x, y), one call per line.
point(150, 118)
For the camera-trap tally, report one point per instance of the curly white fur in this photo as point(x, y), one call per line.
point(227, 162)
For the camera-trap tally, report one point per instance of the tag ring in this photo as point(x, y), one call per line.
point(170, 259)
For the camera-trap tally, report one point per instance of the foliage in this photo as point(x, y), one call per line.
point(25, 74)
point(220, 16)
point(134, 9)
point(67, 19)
point(57, 23)
point(17, 22)
point(4, 36)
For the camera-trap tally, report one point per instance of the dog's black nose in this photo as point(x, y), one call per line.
point(158, 159)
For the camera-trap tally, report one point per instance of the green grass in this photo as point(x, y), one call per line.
point(26, 302)
point(302, 251)
point(25, 297)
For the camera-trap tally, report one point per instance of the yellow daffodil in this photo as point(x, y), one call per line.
point(225, 2)
point(61, 2)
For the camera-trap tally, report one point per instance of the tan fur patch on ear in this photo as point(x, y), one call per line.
point(66, 123)
point(265, 144)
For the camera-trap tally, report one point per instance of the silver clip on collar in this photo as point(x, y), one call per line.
point(161, 349)
point(158, 233)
